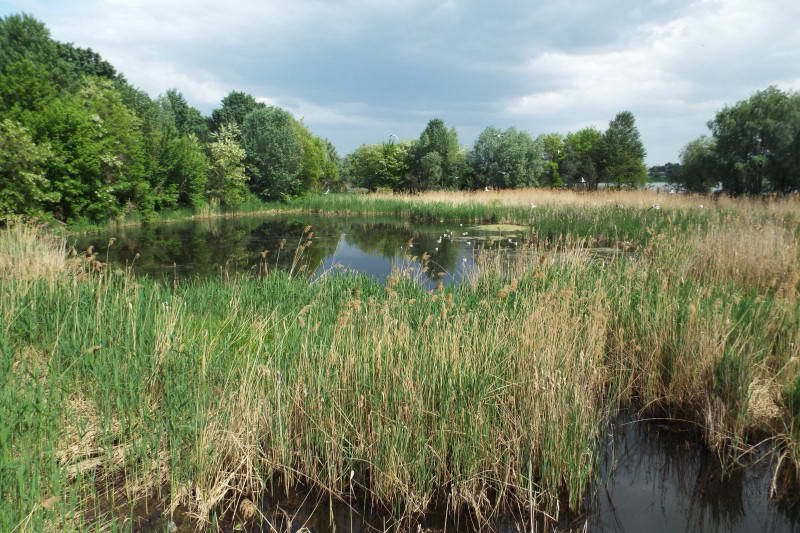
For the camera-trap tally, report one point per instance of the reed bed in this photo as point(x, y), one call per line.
point(484, 397)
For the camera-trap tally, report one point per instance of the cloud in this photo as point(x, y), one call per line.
point(358, 70)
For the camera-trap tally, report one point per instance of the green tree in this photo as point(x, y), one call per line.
point(332, 173)
point(758, 143)
point(86, 62)
point(699, 168)
point(22, 37)
point(314, 152)
point(436, 138)
point(553, 150)
point(430, 171)
point(583, 151)
point(623, 152)
point(227, 181)
point(381, 165)
point(235, 107)
point(25, 86)
point(506, 159)
point(97, 152)
point(188, 120)
point(24, 188)
point(176, 163)
point(273, 153)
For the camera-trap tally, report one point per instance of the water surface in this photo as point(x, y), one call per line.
point(372, 246)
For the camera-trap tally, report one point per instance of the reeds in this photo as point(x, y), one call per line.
point(485, 397)
point(29, 251)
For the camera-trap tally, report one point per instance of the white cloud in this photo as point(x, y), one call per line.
point(357, 69)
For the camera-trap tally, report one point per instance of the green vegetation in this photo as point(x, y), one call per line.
point(754, 148)
point(485, 395)
point(503, 159)
point(79, 143)
point(201, 395)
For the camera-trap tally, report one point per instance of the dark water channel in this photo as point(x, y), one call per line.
point(653, 478)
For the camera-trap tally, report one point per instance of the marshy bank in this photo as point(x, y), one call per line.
point(490, 396)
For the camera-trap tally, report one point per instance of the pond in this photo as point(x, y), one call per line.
point(372, 246)
point(653, 477)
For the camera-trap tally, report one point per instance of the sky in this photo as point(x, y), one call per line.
point(359, 71)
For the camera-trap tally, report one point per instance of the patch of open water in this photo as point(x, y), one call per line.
point(372, 246)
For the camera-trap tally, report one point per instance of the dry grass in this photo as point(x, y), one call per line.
point(28, 251)
point(642, 199)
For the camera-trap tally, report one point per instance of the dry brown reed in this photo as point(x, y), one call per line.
point(644, 199)
point(29, 251)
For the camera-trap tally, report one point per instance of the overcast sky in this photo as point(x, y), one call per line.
point(360, 70)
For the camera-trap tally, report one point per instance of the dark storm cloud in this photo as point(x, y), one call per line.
point(359, 70)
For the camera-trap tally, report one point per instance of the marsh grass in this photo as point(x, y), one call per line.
point(486, 396)
point(29, 251)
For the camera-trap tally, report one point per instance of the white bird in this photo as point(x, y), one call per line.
point(655, 206)
point(533, 206)
point(327, 191)
point(700, 206)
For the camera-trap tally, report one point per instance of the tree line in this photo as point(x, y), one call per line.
point(502, 159)
point(78, 141)
point(753, 149)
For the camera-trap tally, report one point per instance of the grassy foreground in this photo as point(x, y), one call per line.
point(485, 395)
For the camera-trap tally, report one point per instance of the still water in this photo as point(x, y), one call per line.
point(653, 478)
point(371, 246)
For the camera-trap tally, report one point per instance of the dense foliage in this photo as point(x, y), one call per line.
point(503, 159)
point(77, 141)
point(754, 147)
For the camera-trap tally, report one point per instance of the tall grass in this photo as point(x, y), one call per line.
point(207, 394)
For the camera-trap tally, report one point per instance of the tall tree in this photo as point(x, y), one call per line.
point(273, 153)
point(699, 169)
point(227, 181)
point(436, 138)
point(582, 159)
point(188, 120)
point(506, 159)
point(24, 188)
point(235, 107)
point(553, 151)
point(758, 143)
point(623, 152)
point(381, 165)
point(23, 37)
